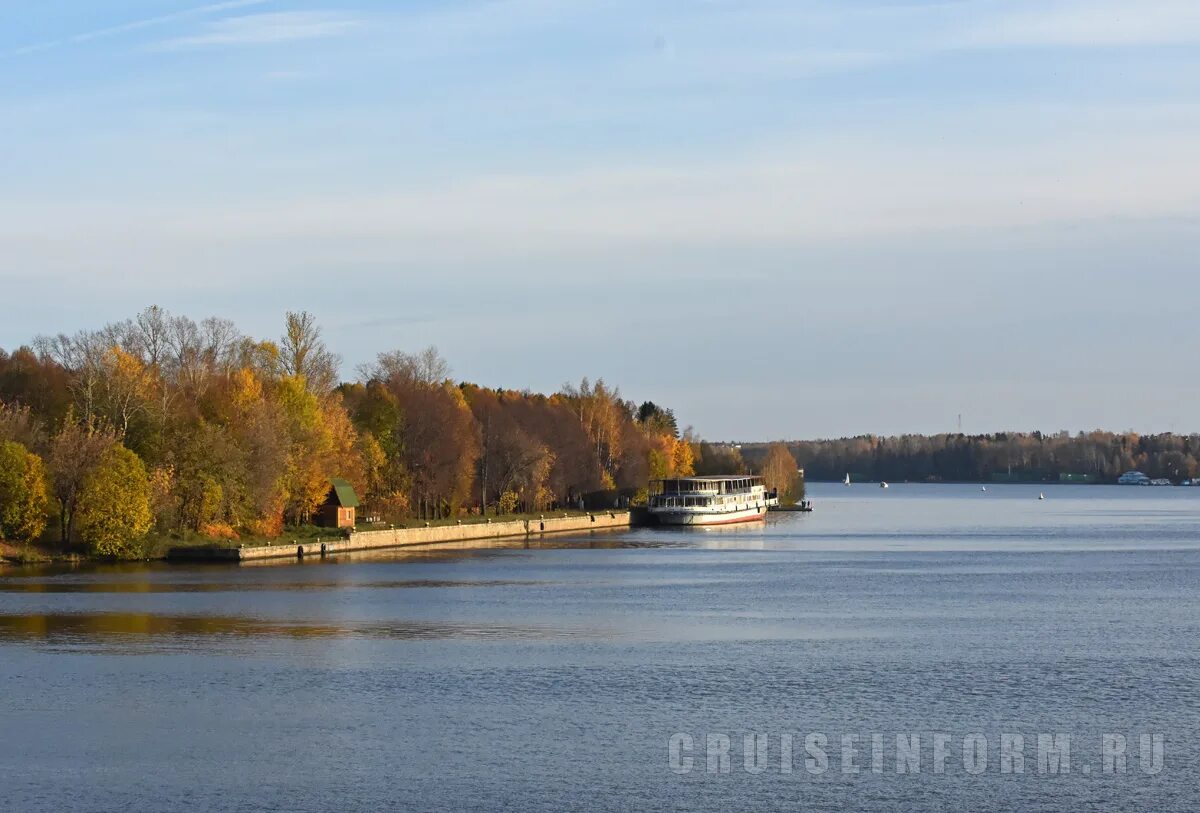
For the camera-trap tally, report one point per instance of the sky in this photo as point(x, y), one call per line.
point(781, 218)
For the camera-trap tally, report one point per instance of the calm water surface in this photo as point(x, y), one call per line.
point(552, 678)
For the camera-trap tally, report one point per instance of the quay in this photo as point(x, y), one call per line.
point(478, 534)
point(804, 506)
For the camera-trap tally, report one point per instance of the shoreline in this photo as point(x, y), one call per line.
point(431, 537)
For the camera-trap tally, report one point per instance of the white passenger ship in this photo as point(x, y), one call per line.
point(710, 500)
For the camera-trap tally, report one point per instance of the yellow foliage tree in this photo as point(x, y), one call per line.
point(114, 504)
point(24, 493)
point(127, 387)
point(684, 458)
point(780, 473)
point(659, 463)
point(669, 456)
point(508, 502)
point(306, 479)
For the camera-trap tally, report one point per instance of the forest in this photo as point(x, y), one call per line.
point(160, 425)
point(1095, 456)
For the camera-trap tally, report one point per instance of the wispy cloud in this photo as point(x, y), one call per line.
point(133, 25)
point(266, 29)
point(1086, 23)
point(813, 192)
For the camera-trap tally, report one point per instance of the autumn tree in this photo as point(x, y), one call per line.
point(81, 356)
point(259, 429)
point(375, 411)
point(657, 420)
point(304, 354)
point(398, 369)
point(519, 463)
point(24, 494)
point(779, 473)
point(18, 424)
point(126, 388)
point(74, 452)
point(306, 478)
point(114, 504)
point(604, 417)
point(36, 383)
point(440, 448)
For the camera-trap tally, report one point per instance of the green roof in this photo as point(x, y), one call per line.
point(345, 492)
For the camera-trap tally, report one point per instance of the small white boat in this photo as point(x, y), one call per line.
point(847, 482)
point(1041, 496)
point(983, 488)
point(883, 484)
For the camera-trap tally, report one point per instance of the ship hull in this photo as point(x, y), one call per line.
point(710, 517)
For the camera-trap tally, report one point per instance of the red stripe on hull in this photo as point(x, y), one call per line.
point(755, 518)
point(752, 518)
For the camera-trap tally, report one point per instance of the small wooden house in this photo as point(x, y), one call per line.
point(338, 509)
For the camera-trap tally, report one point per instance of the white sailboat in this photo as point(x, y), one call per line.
point(847, 479)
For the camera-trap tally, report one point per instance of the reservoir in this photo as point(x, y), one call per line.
point(582, 672)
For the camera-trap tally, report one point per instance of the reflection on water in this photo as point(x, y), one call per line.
point(135, 586)
point(81, 627)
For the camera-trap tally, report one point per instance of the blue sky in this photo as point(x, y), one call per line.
point(784, 219)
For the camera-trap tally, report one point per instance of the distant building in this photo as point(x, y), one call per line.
point(339, 507)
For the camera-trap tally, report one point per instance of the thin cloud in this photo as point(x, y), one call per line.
point(1094, 23)
point(266, 29)
point(134, 25)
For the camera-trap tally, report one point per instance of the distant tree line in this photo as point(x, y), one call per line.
point(1017, 456)
point(161, 423)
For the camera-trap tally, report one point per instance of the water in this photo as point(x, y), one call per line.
point(553, 678)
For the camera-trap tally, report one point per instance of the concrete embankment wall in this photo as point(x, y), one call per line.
point(477, 534)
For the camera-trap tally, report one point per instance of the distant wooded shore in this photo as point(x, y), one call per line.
point(1003, 457)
